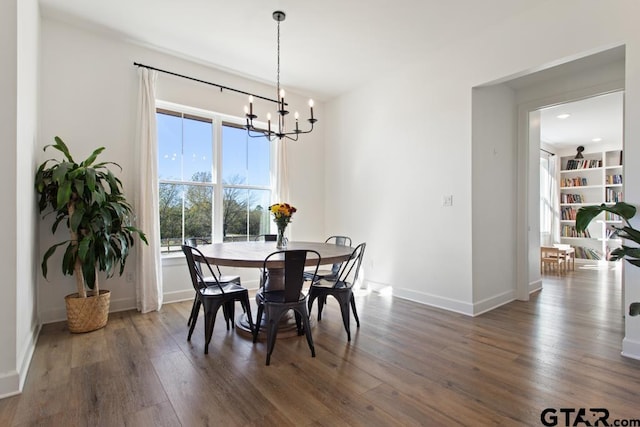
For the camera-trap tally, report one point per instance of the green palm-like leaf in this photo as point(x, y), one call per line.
point(92, 158)
point(64, 194)
point(101, 215)
point(587, 213)
point(62, 147)
point(629, 233)
point(632, 254)
point(46, 257)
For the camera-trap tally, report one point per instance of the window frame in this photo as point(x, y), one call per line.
point(218, 120)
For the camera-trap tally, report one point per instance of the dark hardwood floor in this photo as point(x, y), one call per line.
point(407, 365)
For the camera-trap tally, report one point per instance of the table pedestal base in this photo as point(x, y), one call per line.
point(286, 327)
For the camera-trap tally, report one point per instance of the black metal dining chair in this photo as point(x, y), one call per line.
point(213, 295)
point(335, 268)
point(222, 278)
point(341, 288)
point(274, 301)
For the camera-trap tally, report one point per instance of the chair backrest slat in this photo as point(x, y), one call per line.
point(195, 268)
point(340, 241)
point(294, 263)
point(351, 267)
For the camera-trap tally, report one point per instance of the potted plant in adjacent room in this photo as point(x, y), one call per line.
point(632, 254)
point(86, 197)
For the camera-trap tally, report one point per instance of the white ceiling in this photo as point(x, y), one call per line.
point(327, 47)
point(596, 117)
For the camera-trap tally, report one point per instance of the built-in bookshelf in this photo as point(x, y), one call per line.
point(597, 178)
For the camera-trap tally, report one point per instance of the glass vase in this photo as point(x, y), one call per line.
point(281, 242)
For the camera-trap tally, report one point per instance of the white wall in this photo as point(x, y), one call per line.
point(18, 124)
point(89, 95)
point(27, 324)
point(8, 132)
point(493, 191)
point(409, 137)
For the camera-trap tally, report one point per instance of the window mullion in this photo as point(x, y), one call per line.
point(218, 208)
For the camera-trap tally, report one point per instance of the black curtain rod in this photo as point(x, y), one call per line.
point(205, 82)
point(548, 152)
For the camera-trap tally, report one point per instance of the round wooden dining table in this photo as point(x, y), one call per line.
point(252, 255)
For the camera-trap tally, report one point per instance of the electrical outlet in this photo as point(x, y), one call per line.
point(447, 200)
point(129, 277)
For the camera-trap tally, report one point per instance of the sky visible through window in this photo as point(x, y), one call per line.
point(243, 157)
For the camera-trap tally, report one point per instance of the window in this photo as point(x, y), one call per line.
point(546, 204)
point(214, 180)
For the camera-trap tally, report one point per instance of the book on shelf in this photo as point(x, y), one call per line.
point(586, 253)
point(613, 179)
point(612, 196)
point(568, 213)
point(573, 182)
point(572, 198)
point(570, 231)
point(611, 233)
point(573, 164)
point(608, 216)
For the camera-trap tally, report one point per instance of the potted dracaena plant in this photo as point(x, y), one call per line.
point(632, 254)
point(86, 197)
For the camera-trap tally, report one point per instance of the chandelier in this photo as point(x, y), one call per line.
point(280, 131)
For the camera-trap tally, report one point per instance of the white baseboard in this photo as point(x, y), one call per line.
point(631, 348)
point(457, 306)
point(495, 301)
point(535, 286)
point(9, 384)
point(12, 382)
point(424, 298)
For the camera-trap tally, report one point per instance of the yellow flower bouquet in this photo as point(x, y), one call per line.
point(282, 213)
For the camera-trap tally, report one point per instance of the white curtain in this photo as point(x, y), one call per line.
point(554, 199)
point(281, 194)
point(149, 280)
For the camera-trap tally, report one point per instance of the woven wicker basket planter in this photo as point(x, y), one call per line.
point(87, 314)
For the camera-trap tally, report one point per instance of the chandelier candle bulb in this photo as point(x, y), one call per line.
point(296, 115)
point(311, 107)
point(269, 122)
point(251, 105)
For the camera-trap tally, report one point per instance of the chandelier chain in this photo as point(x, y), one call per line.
point(278, 73)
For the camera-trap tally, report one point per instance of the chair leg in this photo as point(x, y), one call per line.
point(307, 329)
point(272, 332)
point(344, 309)
point(299, 327)
point(210, 310)
point(195, 310)
point(230, 315)
point(322, 299)
point(258, 321)
point(246, 307)
point(225, 312)
point(310, 298)
point(355, 312)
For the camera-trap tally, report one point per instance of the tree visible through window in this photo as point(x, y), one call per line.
point(207, 196)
